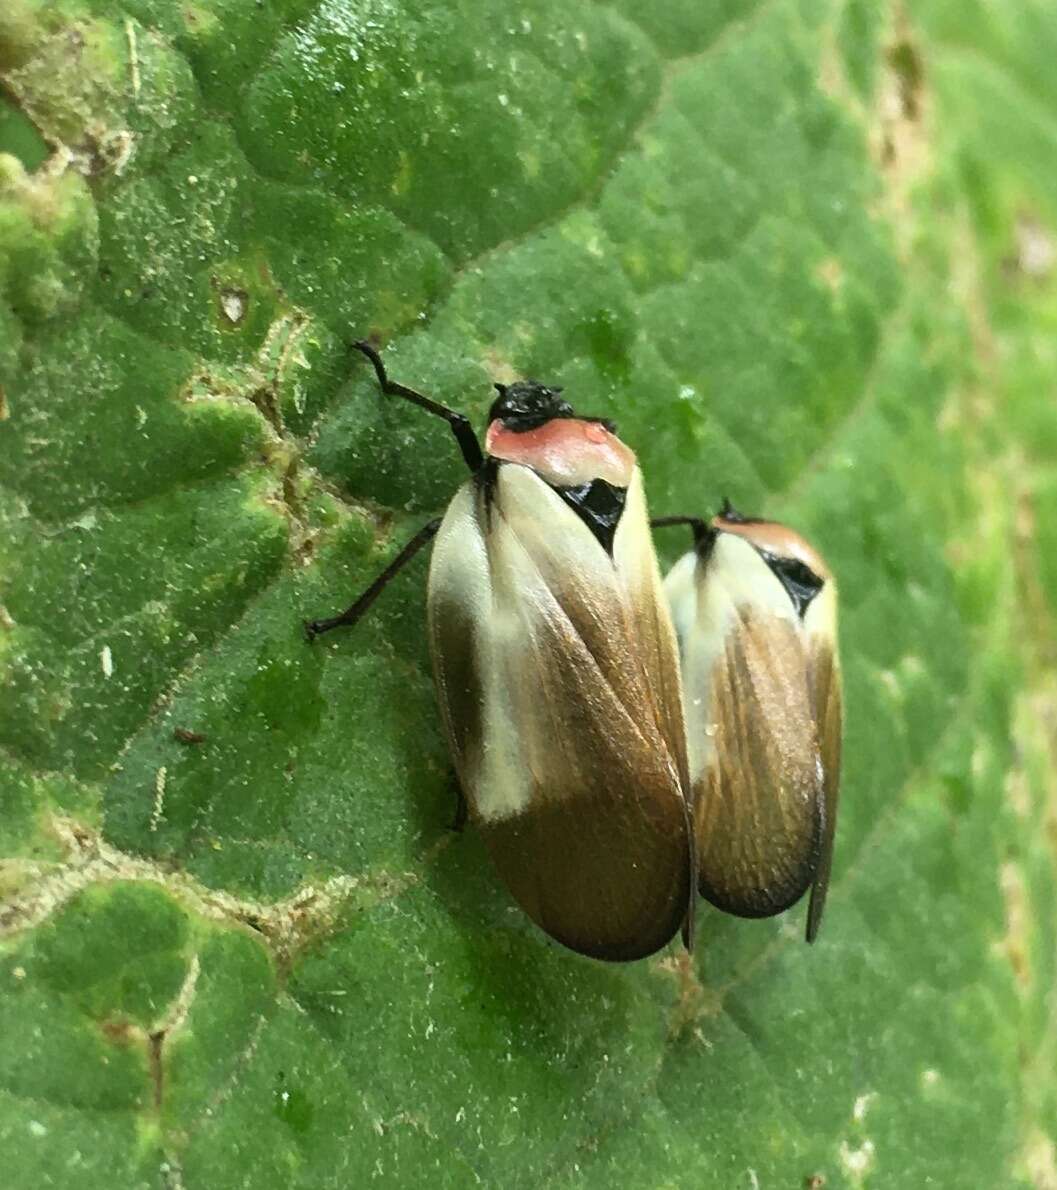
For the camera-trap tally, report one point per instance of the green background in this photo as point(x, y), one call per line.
point(804, 253)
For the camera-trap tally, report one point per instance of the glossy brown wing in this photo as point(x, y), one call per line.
point(659, 649)
point(827, 699)
point(652, 629)
point(600, 859)
point(758, 809)
point(558, 730)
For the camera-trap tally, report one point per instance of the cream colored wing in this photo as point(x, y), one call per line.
point(755, 768)
point(561, 699)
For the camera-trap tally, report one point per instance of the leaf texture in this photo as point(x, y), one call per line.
point(802, 251)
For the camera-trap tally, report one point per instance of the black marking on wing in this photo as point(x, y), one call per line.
point(801, 583)
point(599, 505)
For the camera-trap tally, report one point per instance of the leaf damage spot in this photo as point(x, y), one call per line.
point(170, 1024)
point(1017, 792)
point(233, 305)
point(1014, 944)
point(830, 272)
point(692, 999)
point(133, 57)
point(1034, 251)
point(172, 1174)
point(862, 1105)
point(121, 1031)
point(115, 151)
point(184, 735)
point(260, 382)
point(909, 71)
point(1040, 1161)
point(159, 798)
point(286, 926)
point(858, 1162)
point(499, 367)
point(70, 90)
point(411, 1120)
point(899, 136)
point(294, 1107)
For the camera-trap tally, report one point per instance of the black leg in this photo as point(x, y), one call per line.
point(351, 614)
point(460, 425)
point(700, 528)
point(687, 932)
point(691, 909)
point(462, 809)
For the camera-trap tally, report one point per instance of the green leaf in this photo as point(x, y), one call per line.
point(804, 251)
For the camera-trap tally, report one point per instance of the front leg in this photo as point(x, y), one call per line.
point(356, 610)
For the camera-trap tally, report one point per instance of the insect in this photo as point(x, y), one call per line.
point(755, 610)
point(556, 669)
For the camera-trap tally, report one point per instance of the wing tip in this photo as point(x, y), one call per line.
point(686, 933)
point(815, 907)
point(756, 903)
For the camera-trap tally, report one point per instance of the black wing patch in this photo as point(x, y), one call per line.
point(801, 583)
point(599, 505)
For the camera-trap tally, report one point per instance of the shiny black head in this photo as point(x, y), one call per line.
point(527, 405)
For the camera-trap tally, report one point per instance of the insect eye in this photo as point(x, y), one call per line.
point(801, 583)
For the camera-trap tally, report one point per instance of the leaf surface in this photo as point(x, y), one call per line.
point(803, 252)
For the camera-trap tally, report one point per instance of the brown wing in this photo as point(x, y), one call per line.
point(601, 858)
point(652, 629)
point(758, 809)
point(659, 649)
point(551, 706)
point(825, 682)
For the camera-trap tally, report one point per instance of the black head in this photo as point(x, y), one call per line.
point(527, 405)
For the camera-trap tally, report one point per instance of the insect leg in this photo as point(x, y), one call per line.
point(462, 809)
point(687, 931)
point(351, 614)
point(460, 425)
point(700, 528)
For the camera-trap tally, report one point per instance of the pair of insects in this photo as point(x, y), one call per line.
point(624, 743)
